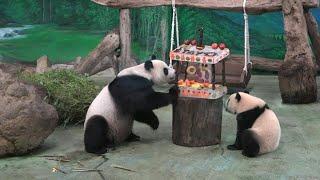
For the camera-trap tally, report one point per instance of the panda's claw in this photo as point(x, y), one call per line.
point(133, 138)
point(233, 147)
point(174, 92)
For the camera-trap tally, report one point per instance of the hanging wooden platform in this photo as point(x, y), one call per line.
point(235, 75)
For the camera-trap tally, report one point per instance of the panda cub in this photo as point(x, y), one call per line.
point(258, 128)
point(130, 96)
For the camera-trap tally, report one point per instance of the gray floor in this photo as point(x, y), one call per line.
point(155, 157)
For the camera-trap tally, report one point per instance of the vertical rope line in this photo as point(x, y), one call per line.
point(172, 29)
point(246, 38)
point(177, 29)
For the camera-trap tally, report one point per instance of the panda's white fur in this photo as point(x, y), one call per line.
point(268, 131)
point(119, 123)
point(155, 75)
point(266, 128)
point(104, 106)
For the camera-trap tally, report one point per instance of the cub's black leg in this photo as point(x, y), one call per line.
point(147, 117)
point(250, 144)
point(237, 144)
point(132, 138)
point(95, 136)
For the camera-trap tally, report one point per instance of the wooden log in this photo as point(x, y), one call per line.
point(253, 6)
point(259, 63)
point(313, 34)
point(197, 122)
point(125, 59)
point(297, 75)
point(106, 48)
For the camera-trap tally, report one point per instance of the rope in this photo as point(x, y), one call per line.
point(173, 25)
point(246, 39)
point(177, 29)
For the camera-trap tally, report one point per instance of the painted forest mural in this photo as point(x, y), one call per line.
point(65, 29)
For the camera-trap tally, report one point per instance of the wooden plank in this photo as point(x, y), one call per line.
point(253, 6)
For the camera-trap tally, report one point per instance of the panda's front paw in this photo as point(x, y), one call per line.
point(233, 147)
point(174, 92)
point(154, 124)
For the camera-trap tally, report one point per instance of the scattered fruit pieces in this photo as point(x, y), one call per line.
point(214, 46)
point(196, 86)
point(206, 85)
point(194, 42)
point(222, 46)
point(187, 42)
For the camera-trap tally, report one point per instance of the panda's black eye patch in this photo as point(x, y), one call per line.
point(165, 71)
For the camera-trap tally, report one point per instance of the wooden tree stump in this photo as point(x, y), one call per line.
point(197, 122)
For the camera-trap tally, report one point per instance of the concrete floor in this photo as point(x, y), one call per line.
point(155, 157)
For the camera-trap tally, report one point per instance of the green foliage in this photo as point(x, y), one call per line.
point(70, 93)
point(26, 11)
point(266, 31)
point(60, 44)
point(218, 27)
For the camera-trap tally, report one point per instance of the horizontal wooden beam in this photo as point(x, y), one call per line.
point(253, 6)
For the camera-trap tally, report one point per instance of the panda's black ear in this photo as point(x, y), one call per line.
point(238, 97)
point(153, 57)
point(148, 65)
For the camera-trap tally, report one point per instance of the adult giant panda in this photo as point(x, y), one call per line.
point(258, 128)
point(130, 96)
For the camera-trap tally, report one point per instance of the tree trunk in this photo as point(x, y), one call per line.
point(102, 57)
point(50, 11)
point(297, 75)
point(313, 34)
point(125, 59)
point(197, 122)
point(43, 11)
point(164, 33)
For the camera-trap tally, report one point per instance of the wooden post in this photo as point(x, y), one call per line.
point(213, 78)
point(197, 122)
point(297, 75)
point(125, 40)
point(223, 72)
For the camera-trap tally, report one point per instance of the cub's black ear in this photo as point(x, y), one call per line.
point(247, 92)
point(148, 65)
point(238, 97)
point(153, 57)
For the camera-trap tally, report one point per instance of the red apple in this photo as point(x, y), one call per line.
point(214, 46)
point(194, 42)
point(222, 46)
point(187, 42)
